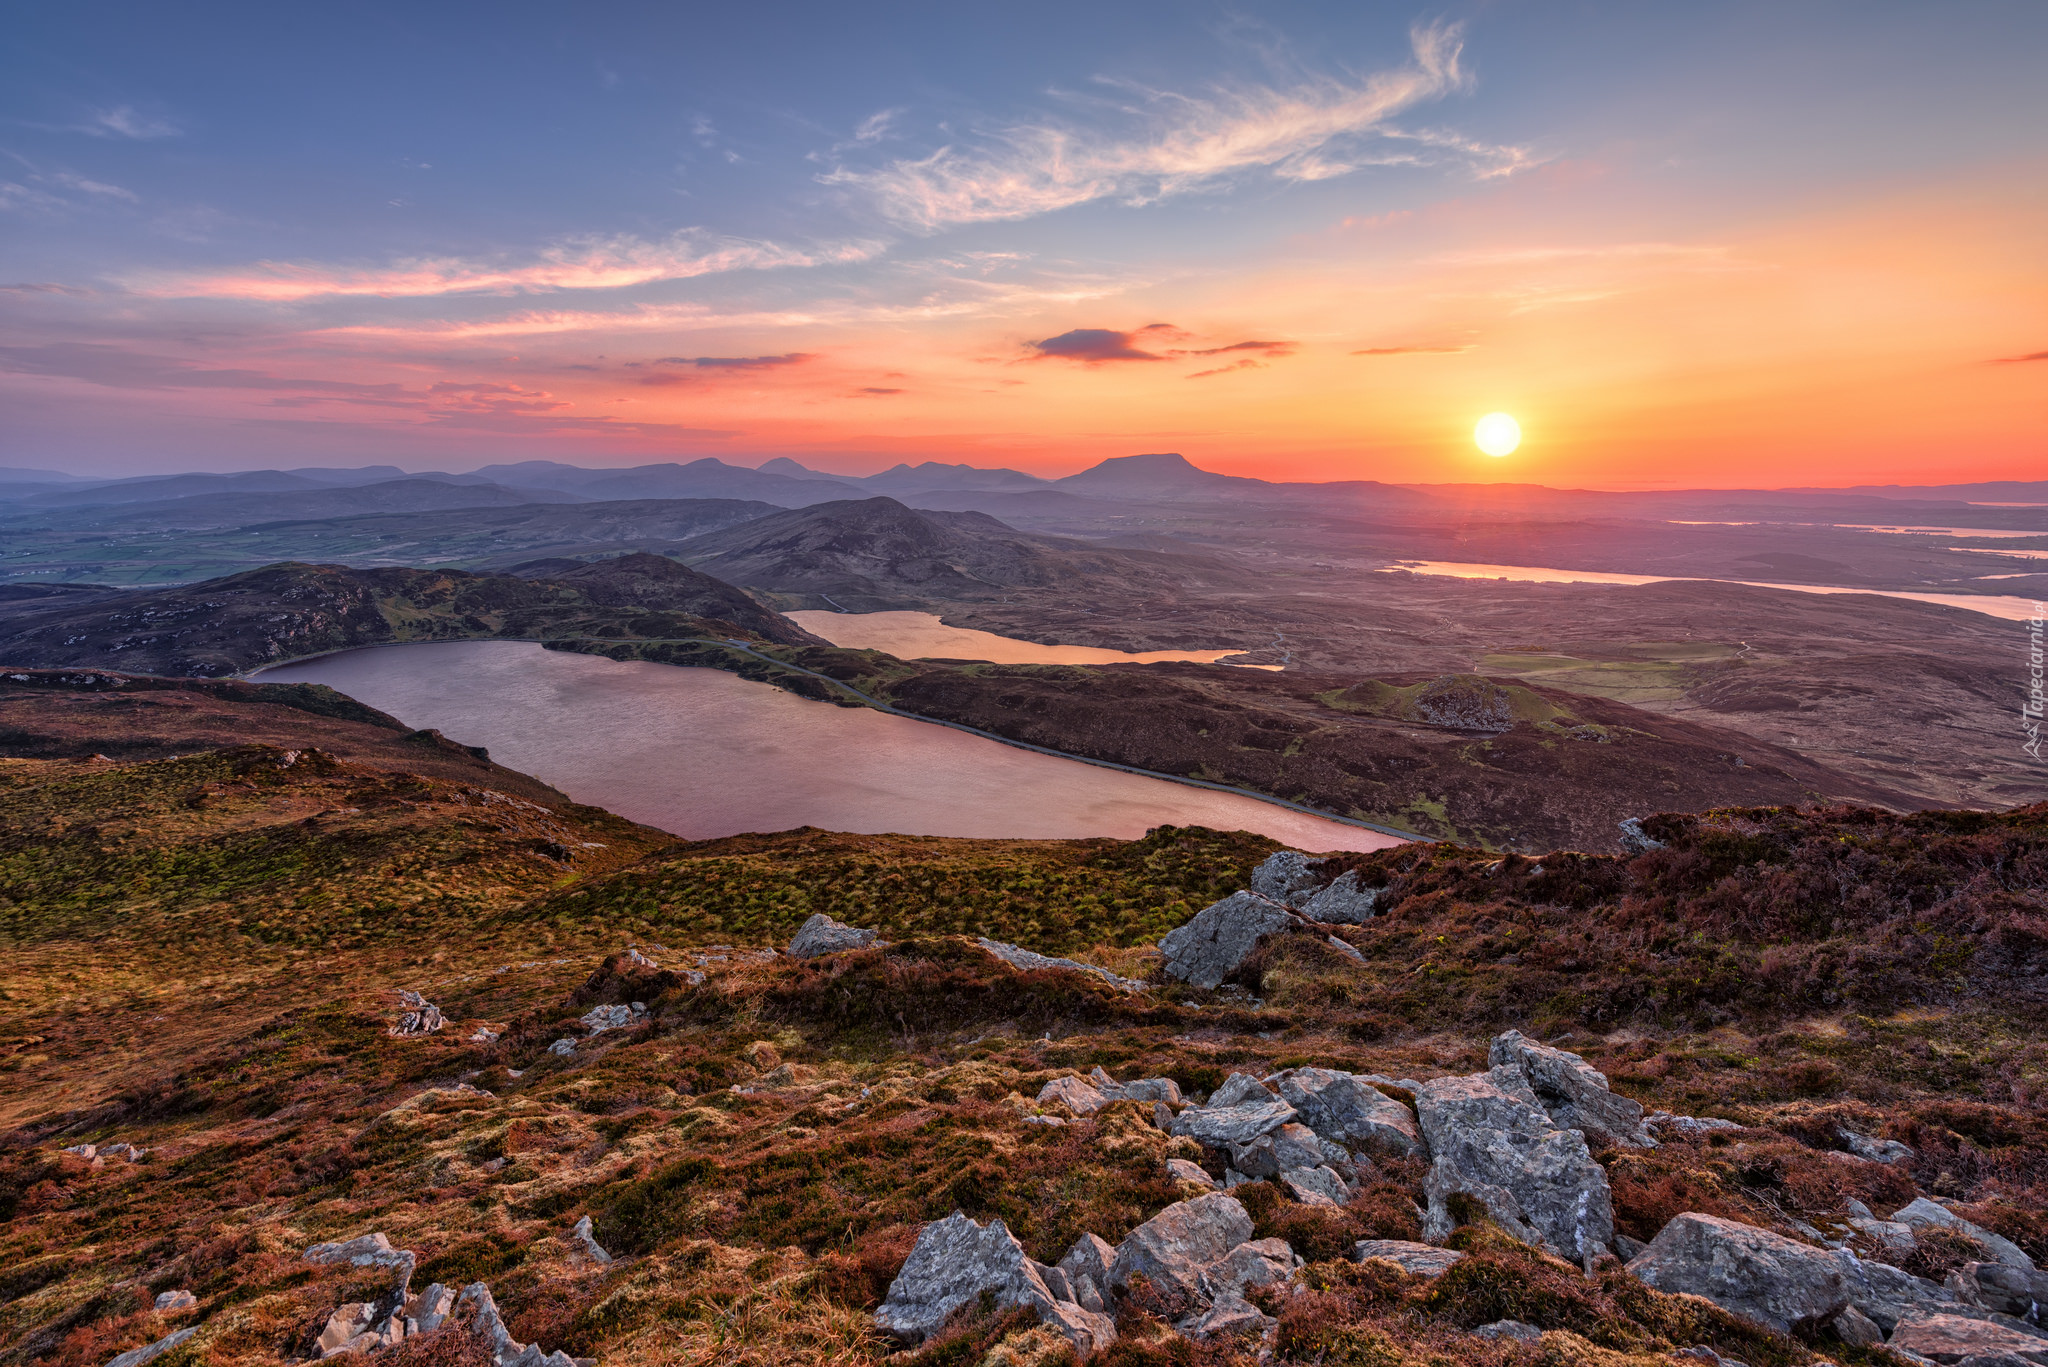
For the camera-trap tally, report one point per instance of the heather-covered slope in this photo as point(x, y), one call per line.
point(206, 955)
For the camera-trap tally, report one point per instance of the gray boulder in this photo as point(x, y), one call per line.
point(1239, 1088)
point(1293, 1145)
point(1952, 1339)
point(1256, 1263)
point(1181, 1170)
point(1747, 1271)
point(1537, 1181)
point(1074, 1094)
point(1923, 1212)
point(1512, 1331)
point(955, 1260)
point(587, 1239)
point(1155, 1089)
point(1893, 1236)
point(1174, 1248)
point(135, 1357)
point(1572, 1091)
point(1875, 1150)
point(1030, 959)
point(1288, 877)
point(1344, 902)
point(365, 1250)
point(2003, 1290)
point(1317, 1186)
point(489, 1326)
point(1228, 1127)
point(1230, 1316)
point(822, 935)
point(1086, 1267)
point(1634, 839)
point(1346, 1109)
point(1221, 936)
point(1421, 1260)
point(171, 1302)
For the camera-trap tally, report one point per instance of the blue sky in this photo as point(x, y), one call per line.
point(446, 234)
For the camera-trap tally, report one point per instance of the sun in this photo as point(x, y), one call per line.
point(1497, 434)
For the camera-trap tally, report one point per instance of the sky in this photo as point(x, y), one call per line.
point(1684, 245)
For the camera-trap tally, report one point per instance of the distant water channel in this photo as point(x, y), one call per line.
point(922, 636)
point(704, 753)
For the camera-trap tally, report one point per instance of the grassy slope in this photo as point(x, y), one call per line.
point(205, 972)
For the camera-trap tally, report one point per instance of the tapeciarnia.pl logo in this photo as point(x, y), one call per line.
point(2037, 697)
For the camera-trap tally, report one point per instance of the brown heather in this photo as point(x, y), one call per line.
point(204, 954)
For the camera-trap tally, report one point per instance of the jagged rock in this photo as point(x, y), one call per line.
point(1230, 1126)
point(1894, 1236)
point(1422, 1260)
point(1293, 1145)
point(1229, 1316)
point(1747, 1271)
point(354, 1327)
point(1181, 1170)
point(1172, 1249)
point(1857, 1329)
point(421, 1017)
point(1874, 1150)
point(1074, 1094)
point(1538, 1182)
point(365, 1250)
point(1155, 1089)
point(1250, 1264)
point(822, 935)
point(562, 1048)
point(1514, 1331)
point(1317, 1186)
point(583, 1235)
point(1345, 902)
point(126, 1152)
point(635, 959)
point(1890, 1294)
point(505, 1350)
point(1691, 1126)
point(1572, 1091)
point(483, 1034)
point(1634, 839)
point(1162, 1117)
point(425, 1312)
point(1239, 1088)
point(2004, 1290)
point(955, 1260)
point(599, 1019)
point(1925, 1212)
point(1346, 1109)
point(1464, 702)
point(1221, 936)
point(1288, 877)
point(1952, 1338)
point(1031, 959)
point(170, 1302)
point(135, 1357)
point(83, 1150)
point(1086, 1266)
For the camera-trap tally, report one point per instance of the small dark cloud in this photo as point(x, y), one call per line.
point(737, 362)
point(1411, 350)
point(41, 287)
point(1092, 346)
point(1246, 364)
point(2022, 360)
point(873, 389)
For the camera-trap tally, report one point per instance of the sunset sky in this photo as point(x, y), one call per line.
point(1685, 245)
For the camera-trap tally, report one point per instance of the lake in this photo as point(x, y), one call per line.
point(704, 753)
point(2008, 609)
point(922, 636)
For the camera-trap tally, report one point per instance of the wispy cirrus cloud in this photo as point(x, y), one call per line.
point(1411, 350)
point(579, 264)
point(125, 121)
point(1309, 131)
point(2021, 360)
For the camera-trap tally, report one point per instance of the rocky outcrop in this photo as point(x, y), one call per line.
point(2002, 1290)
point(1221, 936)
point(1295, 880)
point(171, 1302)
point(1895, 1237)
point(1634, 839)
point(1346, 901)
point(1489, 1139)
point(489, 1326)
point(135, 1357)
point(1175, 1248)
point(419, 1017)
point(599, 1019)
point(1318, 1186)
point(1346, 1109)
point(1422, 1260)
point(1241, 1111)
point(1086, 1267)
point(1571, 1091)
point(822, 935)
point(1293, 1145)
point(1086, 1097)
point(1747, 1271)
point(1510, 1331)
point(1181, 1170)
point(956, 1261)
point(587, 1239)
point(1875, 1150)
point(1030, 959)
point(1923, 1212)
point(1229, 1316)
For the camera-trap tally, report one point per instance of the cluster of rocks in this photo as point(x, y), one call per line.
point(98, 1154)
point(401, 1313)
point(419, 1016)
point(1289, 892)
point(1197, 1258)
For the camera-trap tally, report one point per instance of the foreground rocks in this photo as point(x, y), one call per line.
point(1751, 1272)
point(822, 935)
point(400, 1314)
point(1571, 1091)
point(1222, 935)
point(956, 1261)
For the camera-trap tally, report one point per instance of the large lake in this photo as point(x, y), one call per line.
point(704, 753)
point(922, 636)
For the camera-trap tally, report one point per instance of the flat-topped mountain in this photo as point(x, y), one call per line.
point(867, 555)
point(280, 612)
